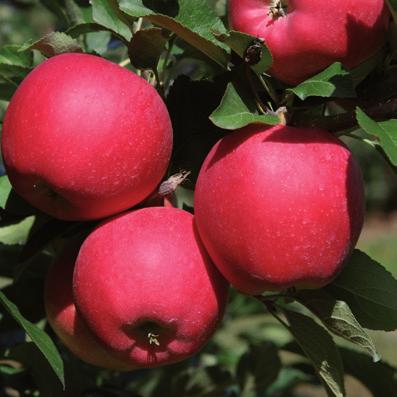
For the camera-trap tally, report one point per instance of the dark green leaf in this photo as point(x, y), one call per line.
point(55, 6)
point(16, 206)
point(39, 337)
point(393, 8)
point(107, 13)
point(338, 318)
point(53, 44)
point(193, 24)
point(211, 381)
point(288, 378)
point(11, 55)
point(385, 131)
point(379, 378)
point(43, 233)
point(360, 72)
point(84, 28)
point(7, 89)
point(73, 12)
point(237, 110)
point(258, 368)
point(334, 81)
point(14, 63)
point(146, 48)
point(318, 346)
point(369, 290)
point(239, 42)
point(32, 359)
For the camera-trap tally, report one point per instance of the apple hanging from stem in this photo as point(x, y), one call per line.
point(306, 36)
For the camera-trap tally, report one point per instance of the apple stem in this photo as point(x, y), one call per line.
point(278, 9)
point(153, 339)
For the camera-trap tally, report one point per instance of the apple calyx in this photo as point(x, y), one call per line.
point(153, 339)
point(45, 189)
point(278, 9)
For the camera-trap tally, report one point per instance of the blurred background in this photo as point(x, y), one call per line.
point(24, 20)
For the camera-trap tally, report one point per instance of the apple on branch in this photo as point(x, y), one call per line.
point(306, 36)
point(279, 207)
point(84, 138)
point(146, 287)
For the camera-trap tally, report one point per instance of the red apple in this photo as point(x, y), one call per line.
point(64, 319)
point(279, 207)
point(306, 36)
point(84, 138)
point(146, 287)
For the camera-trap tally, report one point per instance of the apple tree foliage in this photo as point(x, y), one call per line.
point(269, 344)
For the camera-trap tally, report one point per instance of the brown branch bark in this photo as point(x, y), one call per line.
point(380, 111)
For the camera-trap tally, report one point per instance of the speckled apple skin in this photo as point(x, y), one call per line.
point(314, 33)
point(66, 322)
point(84, 138)
point(279, 207)
point(146, 271)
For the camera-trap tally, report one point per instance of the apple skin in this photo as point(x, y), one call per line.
point(64, 319)
point(84, 138)
point(279, 207)
point(314, 33)
point(146, 273)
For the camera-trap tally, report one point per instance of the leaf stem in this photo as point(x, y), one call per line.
point(125, 62)
point(138, 25)
point(261, 106)
point(269, 89)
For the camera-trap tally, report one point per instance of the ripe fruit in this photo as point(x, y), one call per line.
point(84, 138)
point(279, 207)
point(306, 36)
point(146, 287)
point(66, 322)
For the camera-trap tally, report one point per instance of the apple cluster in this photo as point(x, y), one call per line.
point(275, 207)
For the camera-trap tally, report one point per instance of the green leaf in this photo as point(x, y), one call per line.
point(31, 358)
point(369, 290)
point(5, 190)
point(209, 381)
point(53, 44)
point(107, 13)
point(334, 81)
point(11, 55)
point(16, 234)
point(135, 8)
point(146, 48)
point(56, 8)
point(201, 19)
point(379, 378)
point(85, 28)
point(97, 41)
point(393, 8)
point(239, 42)
point(338, 318)
point(7, 89)
point(318, 346)
point(39, 337)
point(14, 63)
point(236, 111)
point(385, 131)
point(192, 24)
point(258, 368)
point(73, 12)
point(288, 378)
